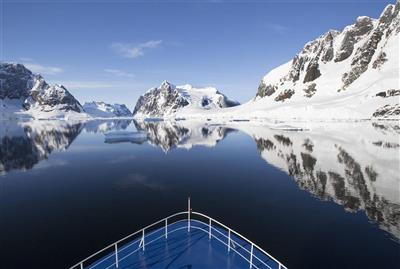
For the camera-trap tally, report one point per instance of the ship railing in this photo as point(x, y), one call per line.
point(234, 241)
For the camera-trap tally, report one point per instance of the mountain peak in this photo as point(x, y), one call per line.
point(362, 58)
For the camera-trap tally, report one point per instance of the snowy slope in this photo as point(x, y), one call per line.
point(104, 110)
point(349, 74)
point(167, 100)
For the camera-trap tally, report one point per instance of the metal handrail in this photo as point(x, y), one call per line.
point(189, 218)
point(126, 237)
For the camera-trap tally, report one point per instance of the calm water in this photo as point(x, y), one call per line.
point(323, 197)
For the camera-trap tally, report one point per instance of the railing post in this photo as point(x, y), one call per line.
point(143, 239)
point(229, 240)
point(189, 214)
point(166, 228)
point(81, 265)
point(280, 266)
point(251, 255)
point(209, 229)
point(116, 255)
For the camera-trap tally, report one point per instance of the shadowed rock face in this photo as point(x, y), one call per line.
point(149, 103)
point(352, 35)
point(27, 144)
point(265, 90)
point(310, 90)
point(312, 72)
point(286, 94)
point(17, 82)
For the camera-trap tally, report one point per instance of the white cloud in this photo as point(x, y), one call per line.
point(87, 84)
point(25, 59)
point(128, 50)
point(278, 28)
point(118, 73)
point(44, 70)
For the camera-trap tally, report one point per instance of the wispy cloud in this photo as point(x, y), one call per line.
point(278, 28)
point(42, 69)
point(87, 84)
point(25, 59)
point(128, 50)
point(119, 73)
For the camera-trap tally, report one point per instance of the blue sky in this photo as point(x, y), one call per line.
point(116, 50)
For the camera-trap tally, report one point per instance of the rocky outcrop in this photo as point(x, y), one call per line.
point(351, 35)
point(33, 92)
point(310, 90)
point(312, 72)
point(286, 94)
point(266, 90)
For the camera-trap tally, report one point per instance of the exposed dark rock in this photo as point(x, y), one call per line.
point(266, 90)
point(379, 60)
point(352, 35)
point(369, 170)
point(310, 90)
point(386, 144)
point(327, 49)
point(286, 94)
point(388, 93)
point(312, 72)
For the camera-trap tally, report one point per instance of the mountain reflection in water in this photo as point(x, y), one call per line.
point(355, 165)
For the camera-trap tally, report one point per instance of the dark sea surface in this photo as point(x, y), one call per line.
point(325, 195)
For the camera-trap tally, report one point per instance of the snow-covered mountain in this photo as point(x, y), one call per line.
point(24, 92)
point(352, 73)
point(103, 110)
point(169, 100)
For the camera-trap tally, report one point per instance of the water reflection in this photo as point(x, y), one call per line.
point(24, 144)
point(355, 165)
point(102, 126)
point(185, 134)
